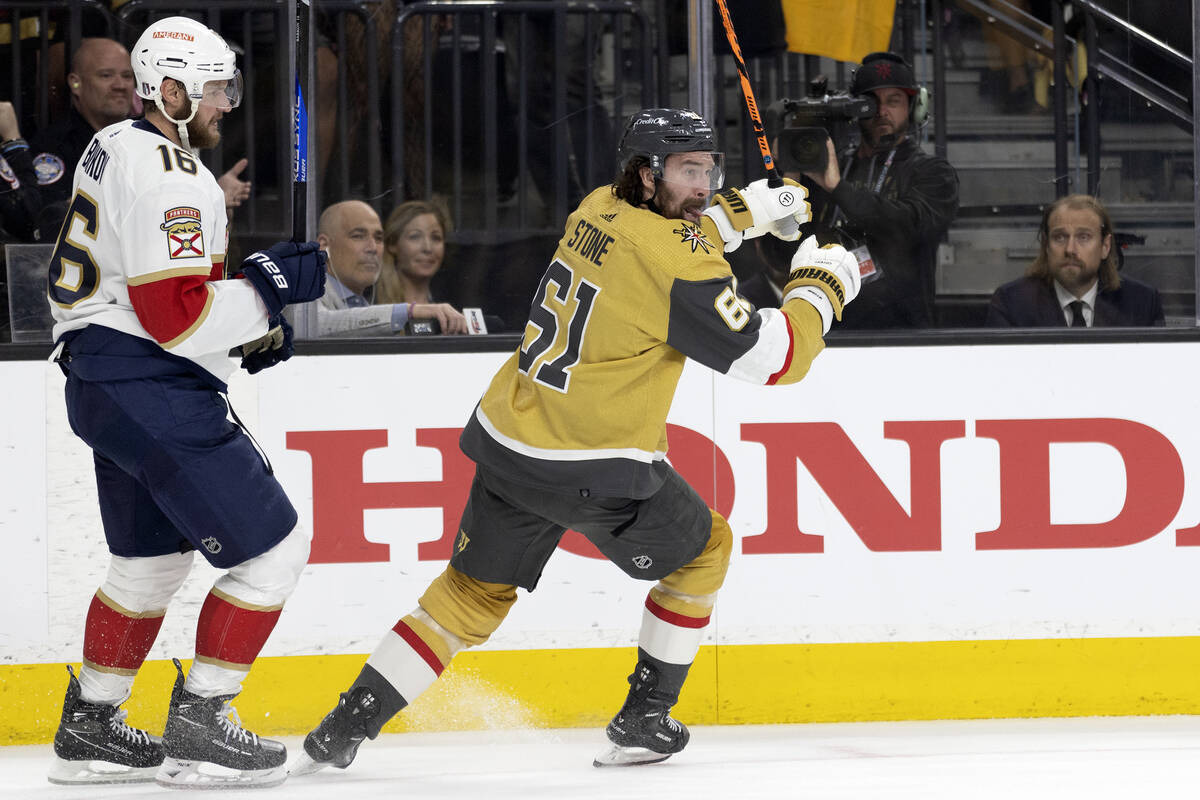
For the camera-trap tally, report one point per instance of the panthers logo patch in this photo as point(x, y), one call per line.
point(185, 237)
point(694, 236)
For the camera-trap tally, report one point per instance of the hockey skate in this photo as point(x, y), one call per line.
point(94, 745)
point(207, 747)
point(643, 731)
point(334, 742)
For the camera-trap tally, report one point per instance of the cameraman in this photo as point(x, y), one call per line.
point(893, 200)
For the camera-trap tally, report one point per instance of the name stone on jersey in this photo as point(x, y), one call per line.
point(185, 237)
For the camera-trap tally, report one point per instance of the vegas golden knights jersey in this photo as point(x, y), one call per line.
point(628, 296)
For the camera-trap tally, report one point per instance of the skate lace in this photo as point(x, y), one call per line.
point(231, 726)
point(672, 724)
point(132, 735)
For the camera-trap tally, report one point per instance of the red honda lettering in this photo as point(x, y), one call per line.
point(853, 486)
point(340, 495)
point(1153, 483)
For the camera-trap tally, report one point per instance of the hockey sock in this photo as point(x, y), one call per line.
point(409, 659)
point(115, 643)
point(229, 635)
point(391, 702)
point(672, 627)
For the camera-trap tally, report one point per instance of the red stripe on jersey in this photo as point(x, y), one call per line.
point(169, 307)
point(787, 361)
point(218, 271)
point(112, 639)
point(228, 633)
point(413, 640)
point(674, 618)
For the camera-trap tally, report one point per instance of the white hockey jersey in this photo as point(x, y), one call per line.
point(143, 248)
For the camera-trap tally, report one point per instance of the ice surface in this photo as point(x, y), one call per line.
point(1113, 757)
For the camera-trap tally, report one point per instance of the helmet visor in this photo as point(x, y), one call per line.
point(696, 170)
point(223, 94)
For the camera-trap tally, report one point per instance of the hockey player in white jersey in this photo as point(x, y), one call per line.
point(145, 319)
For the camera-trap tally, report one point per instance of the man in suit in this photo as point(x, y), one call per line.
point(1074, 281)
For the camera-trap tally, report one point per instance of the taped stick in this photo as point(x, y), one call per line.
point(760, 134)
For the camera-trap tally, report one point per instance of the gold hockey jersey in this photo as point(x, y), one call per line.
point(628, 296)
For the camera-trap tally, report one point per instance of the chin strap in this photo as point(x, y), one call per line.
point(649, 201)
point(180, 124)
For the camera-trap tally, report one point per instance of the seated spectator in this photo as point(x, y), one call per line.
point(101, 90)
point(1074, 280)
point(414, 244)
point(352, 236)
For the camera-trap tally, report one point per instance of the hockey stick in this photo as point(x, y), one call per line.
point(774, 180)
point(300, 61)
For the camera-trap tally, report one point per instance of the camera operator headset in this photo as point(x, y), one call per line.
point(893, 199)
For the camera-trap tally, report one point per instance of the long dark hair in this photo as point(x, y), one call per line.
point(627, 185)
point(1110, 279)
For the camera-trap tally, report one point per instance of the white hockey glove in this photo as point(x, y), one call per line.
point(827, 277)
point(743, 214)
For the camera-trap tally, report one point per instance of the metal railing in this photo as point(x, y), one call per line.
point(535, 91)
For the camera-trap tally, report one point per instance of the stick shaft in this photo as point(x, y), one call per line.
point(760, 134)
point(300, 124)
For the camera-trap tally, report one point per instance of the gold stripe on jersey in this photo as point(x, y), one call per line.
point(237, 603)
point(203, 315)
point(167, 274)
point(129, 673)
point(125, 612)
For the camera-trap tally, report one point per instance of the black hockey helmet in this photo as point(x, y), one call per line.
point(657, 132)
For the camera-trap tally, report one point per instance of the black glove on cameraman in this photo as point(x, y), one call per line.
point(285, 273)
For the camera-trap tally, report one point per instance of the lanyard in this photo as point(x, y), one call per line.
point(887, 164)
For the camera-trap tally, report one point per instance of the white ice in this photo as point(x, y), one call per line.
point(1114, 757)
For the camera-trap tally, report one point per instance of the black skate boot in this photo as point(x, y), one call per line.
point(334, 742)
point(94, 745)
point(643, 732)
point(207, 747)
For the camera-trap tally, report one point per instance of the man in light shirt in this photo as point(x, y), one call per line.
point(1074, 281)
point(352, 235)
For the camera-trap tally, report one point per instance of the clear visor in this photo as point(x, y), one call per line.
point(695, 170)
point(223, 94)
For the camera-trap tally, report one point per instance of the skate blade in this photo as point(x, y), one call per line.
point(176, 773)
point(618, 756)
point(304, 765)
point(69, 773)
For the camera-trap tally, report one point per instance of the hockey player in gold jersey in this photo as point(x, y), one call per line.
point(571, 433)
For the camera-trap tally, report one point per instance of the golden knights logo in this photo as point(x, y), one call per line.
point(461, 541)
point(185, 238)
point(692, 235)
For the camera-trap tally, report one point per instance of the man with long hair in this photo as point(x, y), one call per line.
point(1074, 280)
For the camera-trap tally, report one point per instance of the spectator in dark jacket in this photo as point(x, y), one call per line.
point(1074, 280)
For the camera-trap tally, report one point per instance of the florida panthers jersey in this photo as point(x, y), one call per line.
point(143, 247)
point(627, 298)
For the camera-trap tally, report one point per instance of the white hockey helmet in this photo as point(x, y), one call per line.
point(191, 53)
